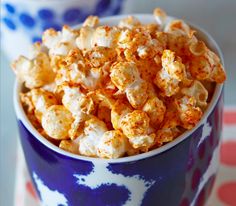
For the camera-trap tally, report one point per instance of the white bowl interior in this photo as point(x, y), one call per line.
point(144, 18)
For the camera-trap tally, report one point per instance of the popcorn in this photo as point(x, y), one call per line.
point(198, 91)
point(155, 109)
point(91, 21)
point(189, 113)
point(84, 40)
point(75, 71)
point(123, 74)
point(142, 142)
point(207, 67)
point(56, 122)
point(129, 22)
point(77, 126)
point(112, 145)
point(135, 123)
point(137, 93)
point(34, 72)
point(135, 126)
point(104, 114)
point(61, 42)
point(72, 100)
point(105, 36)
point(178, 26)
point(160, 16)
point(173, 72)
point(197, 48)
point(42, 100)
point(100, 56)
point(166, 135)
point(119, 110)
point(169, 127)
point(217, 73)
point(102, 97)
point(113, 91)
point(93, 132)
point(70, 146)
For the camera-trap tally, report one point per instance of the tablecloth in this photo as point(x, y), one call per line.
point(224, 191)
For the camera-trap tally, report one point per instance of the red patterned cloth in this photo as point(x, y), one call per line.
point(224, 191)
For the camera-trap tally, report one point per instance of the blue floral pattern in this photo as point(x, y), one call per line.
point(16, 17)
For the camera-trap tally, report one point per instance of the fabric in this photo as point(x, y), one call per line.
point(224, 191)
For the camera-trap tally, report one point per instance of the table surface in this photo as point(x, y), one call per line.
point(221, 29)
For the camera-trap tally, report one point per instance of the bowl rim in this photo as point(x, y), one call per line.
point(21, 115)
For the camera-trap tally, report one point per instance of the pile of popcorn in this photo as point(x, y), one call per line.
point(113, 91)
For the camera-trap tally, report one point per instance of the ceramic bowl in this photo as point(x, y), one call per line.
point(179, 173)
point(23, 21)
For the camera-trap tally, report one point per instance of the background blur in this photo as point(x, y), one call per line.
point(218, 17)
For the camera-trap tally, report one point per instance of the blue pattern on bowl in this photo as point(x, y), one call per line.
point(16, 17)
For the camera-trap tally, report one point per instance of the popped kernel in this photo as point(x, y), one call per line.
point(34, 72)
point(135, 123)
point(91, 21)
point(189, 113)
point(160, 16)
point(60, 42)
point(179, 26)
point(70, 146)
point(171, 74)
point(135, 126)
point(123, 74)
point(41, 100)
point(112, 91)
point(137, 94)
point(93, 132)
point(56, 122)
point(155, 108)
point(198, 91)
point(129, 22)
point(112, 145)
point(118, 111)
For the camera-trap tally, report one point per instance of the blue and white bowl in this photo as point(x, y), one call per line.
point(23, 21)
point(180, 173)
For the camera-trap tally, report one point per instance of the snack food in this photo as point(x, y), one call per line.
point(122, 90)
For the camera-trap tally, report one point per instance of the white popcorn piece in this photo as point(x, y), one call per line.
point(85, 40)
point(105, 36)
point(189, 113)
point(171, 74)
point(135, 126)
point(119, 110)
point(70, 146)
point(123, 74)
point(93, 132)
point(76, 102)
point(178, 27)
point(137, 93)
point(198, 91)
point(155, 108)
point(34, 72)
point(91, 21)
point(42, 100)
point(61, 42)
point(129, 22)
point(160, 16)
point(142, 142)
point(56, 122)
point(112, 145)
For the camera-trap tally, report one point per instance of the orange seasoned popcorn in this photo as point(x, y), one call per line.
point(56, 121)
point(112, 91)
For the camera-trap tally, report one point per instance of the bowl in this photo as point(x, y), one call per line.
point(181, 172)
point(23, 21)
